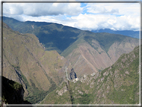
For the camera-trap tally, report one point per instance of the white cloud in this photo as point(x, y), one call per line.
point(92, 22)
point(41, 9)
point(117, 16)
point(114, 8)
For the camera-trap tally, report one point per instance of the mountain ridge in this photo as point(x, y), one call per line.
point(46, 50)
point(53, 36)
point(130, 33)
point(26, 61)
point(117, 84)
point(76, 44)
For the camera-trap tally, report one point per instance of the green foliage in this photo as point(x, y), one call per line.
point(35, 95)
point(118, 87)
point(16, 86)
point(123, 97)
point(85, 99)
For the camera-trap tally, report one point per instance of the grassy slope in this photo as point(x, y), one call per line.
point(25, 61)
point(61, 38)
point(118, 84)
point(52, 36)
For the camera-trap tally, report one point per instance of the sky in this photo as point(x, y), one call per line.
point(85, 16)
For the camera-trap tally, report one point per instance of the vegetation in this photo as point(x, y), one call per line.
point(26, 61)
point(84, 99)
point(52, 36)
point(61, 38)
point(35, 95)
point(117, 84)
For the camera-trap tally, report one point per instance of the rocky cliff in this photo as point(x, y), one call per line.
point(72, 74)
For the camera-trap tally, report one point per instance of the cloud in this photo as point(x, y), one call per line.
point(114, 8)
point(88, 16)
point(91, 22)
point(41, 9)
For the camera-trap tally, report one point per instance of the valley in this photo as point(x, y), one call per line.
point(117, 84)
point(39, 55)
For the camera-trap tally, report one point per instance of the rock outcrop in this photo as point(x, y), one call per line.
point(72, 74)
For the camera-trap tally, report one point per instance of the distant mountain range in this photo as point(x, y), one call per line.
point(130, 33)
point(35, 54)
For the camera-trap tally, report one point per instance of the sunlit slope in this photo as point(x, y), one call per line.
point(26, 61)
point(117, 84)
point(93, 52)
point(85, 51)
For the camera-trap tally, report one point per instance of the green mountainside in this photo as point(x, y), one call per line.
point(26, 62)
point(117, 84)
point(52, 36)
point(36, 54)
point(63, 39)
point(92, 51)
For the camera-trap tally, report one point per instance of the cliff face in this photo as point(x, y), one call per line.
point(12, 92)
point(72, 74)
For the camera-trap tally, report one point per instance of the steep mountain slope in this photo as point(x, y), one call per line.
point(85, 51)
point(94, 52)
point(117, 84)
point(26, 62)
point(53, 36)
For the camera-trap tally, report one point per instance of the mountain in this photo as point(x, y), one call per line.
point(86, 52)
point(26, 62)
point(93, 52)
point(52, 36)
point(117, 84)
point(130, 33)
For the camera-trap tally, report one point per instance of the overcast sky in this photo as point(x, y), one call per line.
point(86, 16)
